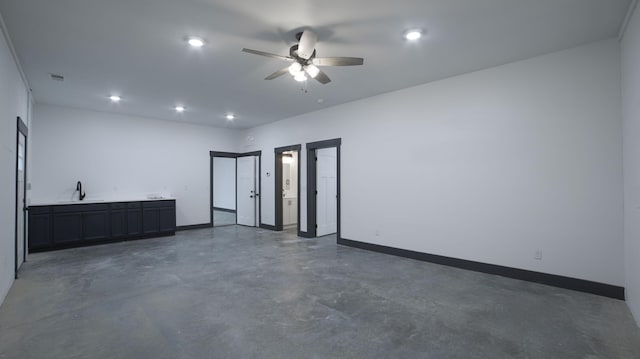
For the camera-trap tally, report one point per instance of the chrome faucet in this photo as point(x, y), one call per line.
point(81, 195)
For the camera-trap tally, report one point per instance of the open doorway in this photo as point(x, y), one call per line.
point(287, 188)
point(235, 188)
point(224, 189)
point(21, 195)
point(323, 188)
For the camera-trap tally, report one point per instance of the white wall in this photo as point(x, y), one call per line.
point(14, 102)
point(224, 182)
point(631, 116)
point(497, 164)
point(122, 157)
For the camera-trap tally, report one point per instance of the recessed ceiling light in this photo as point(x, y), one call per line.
point(230, 116)
point(413, 34)
point(115, 98)
point(195, 41)
point(180, 108)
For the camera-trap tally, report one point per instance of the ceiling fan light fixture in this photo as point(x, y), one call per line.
point(303, 63)
point(295, 68)
point(300, 77)
point(312, 70)
point(115, 98)
point(230, 116)
point(180, 109)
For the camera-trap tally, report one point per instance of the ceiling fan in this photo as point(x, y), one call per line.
point(304, 60)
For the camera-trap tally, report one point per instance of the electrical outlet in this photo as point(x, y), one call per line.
point(538, 255)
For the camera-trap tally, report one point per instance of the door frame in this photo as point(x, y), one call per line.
point(21, 130)
point(312, 185)
point(258, 189)
point(235, 155)
point(278, 200)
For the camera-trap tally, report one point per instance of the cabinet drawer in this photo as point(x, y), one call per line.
point(80, 208)
point(119, 205)
point(134, 205)
point(39, 210)
point(158, 204)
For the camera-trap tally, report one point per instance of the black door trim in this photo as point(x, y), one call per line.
point(21, 130)
point(312, 185)
point(278, 185)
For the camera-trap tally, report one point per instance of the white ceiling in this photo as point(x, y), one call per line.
point(136, 48)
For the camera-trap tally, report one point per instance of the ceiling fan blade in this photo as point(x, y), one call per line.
point(267, 54)
point(307, 44)
point(337, 61)
point(277, 73)
point(322, 78)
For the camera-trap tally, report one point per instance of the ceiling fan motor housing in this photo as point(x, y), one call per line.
point(293, 52)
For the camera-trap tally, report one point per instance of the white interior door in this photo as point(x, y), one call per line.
point(327, 186)
point(20, 213)
point(246, 190)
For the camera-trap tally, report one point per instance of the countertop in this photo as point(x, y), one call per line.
point(97, 201)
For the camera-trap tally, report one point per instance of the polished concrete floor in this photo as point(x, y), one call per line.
point(223, 218)
point(236, 292)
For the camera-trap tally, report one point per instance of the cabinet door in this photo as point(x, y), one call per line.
point(95, 225)
point(39, 230)
point(67, 227)
point(134, 222)
point(118, 223)
point(167, 219)
point(150, 220)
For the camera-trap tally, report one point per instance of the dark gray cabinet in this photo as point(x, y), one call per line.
point(67, 227)
point(158, 216)
point(95, 225)
point(134, 222)
point(39, 227)
point(167, 219)
point(118, 218)
point(71, 225)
